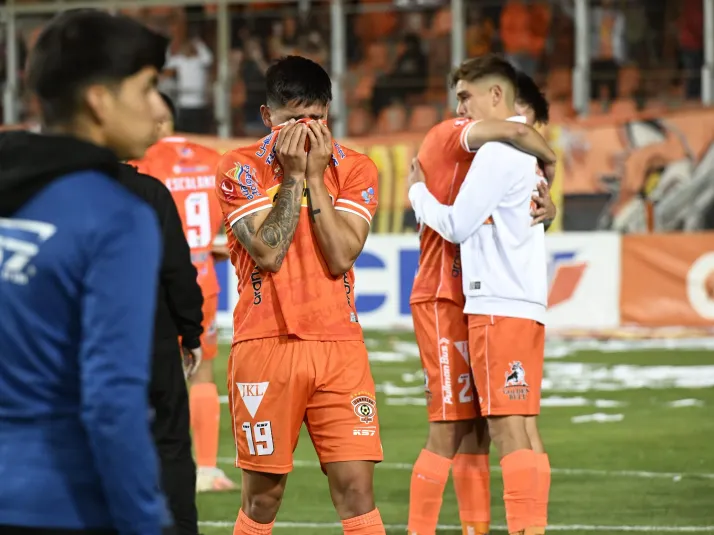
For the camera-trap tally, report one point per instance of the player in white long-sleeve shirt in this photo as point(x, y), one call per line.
point(504, 282)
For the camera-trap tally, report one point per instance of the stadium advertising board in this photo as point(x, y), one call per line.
point(584, 272)
point(668, 279)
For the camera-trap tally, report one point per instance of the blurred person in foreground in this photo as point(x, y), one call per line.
point(299, 216)
point(78, 275)
point(505, 286)
point(458, 438)
point(177, 332)
point(188, 171)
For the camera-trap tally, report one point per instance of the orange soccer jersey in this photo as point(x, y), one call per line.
point(445, 159)
point(188, 171)
point(303, 298)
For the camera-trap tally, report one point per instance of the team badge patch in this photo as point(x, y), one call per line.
point(515, 386)
point(365, 407)
point(229, 189)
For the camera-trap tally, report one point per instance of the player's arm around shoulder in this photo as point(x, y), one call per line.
point(263, 227)
point(341, 229)
point(520, 135)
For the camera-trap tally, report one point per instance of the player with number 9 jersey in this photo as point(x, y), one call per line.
point(188, 171)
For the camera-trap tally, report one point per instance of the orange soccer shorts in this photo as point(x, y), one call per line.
point(507, 364)
point(209, 338)
point(441, 330)
point(276, 384)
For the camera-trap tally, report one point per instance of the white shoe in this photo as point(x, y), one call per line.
point(212, 479)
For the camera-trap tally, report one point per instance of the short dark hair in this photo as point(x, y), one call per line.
point(298, 80)
point(474, 69)
point(81, 47)
point(528, 93)
point(169, 104)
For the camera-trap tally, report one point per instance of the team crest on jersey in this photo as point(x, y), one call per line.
point(368, 195)
point(228, 188)
point(365, 407)
point(515, 386)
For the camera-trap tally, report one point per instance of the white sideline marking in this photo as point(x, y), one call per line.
point(555, 527)
point(564, 471)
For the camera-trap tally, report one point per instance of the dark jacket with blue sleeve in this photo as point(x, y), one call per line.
point(79, 259)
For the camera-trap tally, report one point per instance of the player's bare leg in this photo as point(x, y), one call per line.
point(205, 423)
point(261, 498)
point(518, 462)
point(543, 464)
point(472, 479)
point(352, 490)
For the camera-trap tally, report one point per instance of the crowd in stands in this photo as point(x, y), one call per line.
point(645, 54)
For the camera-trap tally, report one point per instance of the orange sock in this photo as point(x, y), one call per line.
point(520, 487)
point(205, 416)
point(246, 526)
point(540, 513)
point(472, 483)
point(429, 476)
point(367, 524)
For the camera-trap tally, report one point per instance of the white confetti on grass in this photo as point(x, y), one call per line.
point(598, 417)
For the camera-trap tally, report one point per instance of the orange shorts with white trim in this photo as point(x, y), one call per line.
point(276, 384)
point(209, 338)
point(507, 364)
point(441, 331)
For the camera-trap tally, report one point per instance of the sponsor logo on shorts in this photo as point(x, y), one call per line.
point(447, 394)
point(367, 431)
point(257, 282)
point(516, 387)
point(365, 407)
point(252, 395)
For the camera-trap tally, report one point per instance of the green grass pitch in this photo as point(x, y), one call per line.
point(649, 469)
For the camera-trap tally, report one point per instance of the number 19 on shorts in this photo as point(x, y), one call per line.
point(259, 438)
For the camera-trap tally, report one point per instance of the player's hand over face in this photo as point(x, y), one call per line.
point(416, 173)
point(191, 360)
point(320, 150)
point(290, 150)
point(544, 207)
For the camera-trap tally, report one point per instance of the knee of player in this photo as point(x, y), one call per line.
point(352, 497)
point(263, 507)
point(446, 437)
point(508, 432)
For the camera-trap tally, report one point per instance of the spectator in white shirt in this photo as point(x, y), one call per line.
point(191, 69)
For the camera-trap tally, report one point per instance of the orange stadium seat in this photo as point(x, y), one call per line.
point(359, 122)
point(391, 120)
point(423, 118)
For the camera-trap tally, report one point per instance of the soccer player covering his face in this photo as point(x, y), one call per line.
point(504, 283)
point(299, 208)
point(458, 437)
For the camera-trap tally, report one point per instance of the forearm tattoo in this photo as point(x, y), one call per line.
point(313, 212)
point(278, 229)
point(244, 231)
